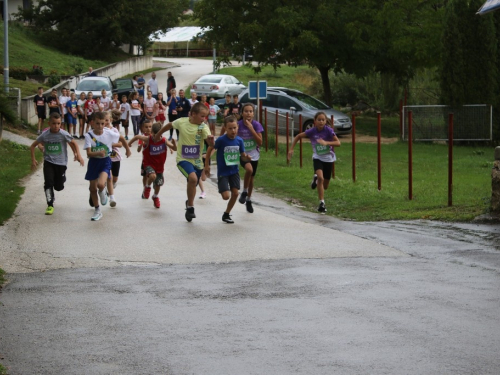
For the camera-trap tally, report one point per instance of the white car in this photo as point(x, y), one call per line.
point(96, 85)
point(217, 86)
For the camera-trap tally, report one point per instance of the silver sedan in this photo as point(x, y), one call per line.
point(217, 86)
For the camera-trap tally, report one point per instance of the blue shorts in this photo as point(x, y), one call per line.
point(187, 168)
point(70, 119)
point(96, 166)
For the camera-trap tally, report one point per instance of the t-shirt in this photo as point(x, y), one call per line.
point(228, 155)
point(71, 107)
point(193, 102)
point(155, 154)
point(212, 112)
point(162, 107)
point(190, 144)
point(40, 102)
point(52, 100)
point(186, 107)
point(89, 106)
point(114, 105)
point(149, 104)
point(135, 111)
point(115, 154)
point(101, 142)
point(172, 107)
point(251, 147)
point(140, 81)
point(153, 86)
point(63, 100)
point(56, 146)
point(320, 152)
point(226, 106)
point(105, 102)
point(235, 109)
point(81, 106)
point(124, 109)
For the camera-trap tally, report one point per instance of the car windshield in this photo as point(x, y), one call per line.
point(209, 80)
point(93, 85)
point(308, 101)
point(123, 84)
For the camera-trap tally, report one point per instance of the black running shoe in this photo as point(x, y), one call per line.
point(314, 182)
point(321, 208)
point(249, 207)
point(190, 215)
point(227, 218)
point(243, 197)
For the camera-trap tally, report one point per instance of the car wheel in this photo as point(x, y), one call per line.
point(308, 125)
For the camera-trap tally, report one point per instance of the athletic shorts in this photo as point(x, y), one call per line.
point(159, 180)
point(187, 168)
point(226, 183)
point(54, 176)
point(255, 164)
point(96, 166)
point(41, 113)
point(326, 167)
point(124, 123)
point(115, 168)
point(161, 117)
point(70, 119)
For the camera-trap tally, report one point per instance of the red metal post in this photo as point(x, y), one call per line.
point(410, 155)
point(450, 160)
point(265, 127)
point(276, 149)
point(300, 140)
point(287, 135)
point(379, 150)
point(354, 148)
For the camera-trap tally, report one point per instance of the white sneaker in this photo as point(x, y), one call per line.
point(203, 195)
point(103, 195)
point(112, 201)
point(97, 216)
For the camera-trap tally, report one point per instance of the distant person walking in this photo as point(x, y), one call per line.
point(153, 86)
point(170, 83)
point(91, 72)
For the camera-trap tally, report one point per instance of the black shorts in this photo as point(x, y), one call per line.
point(54, 176)
point(326, 167)
point(124, 123)
point(226, 183)
point(41, 113)
point(255, 164)
point(115, 168)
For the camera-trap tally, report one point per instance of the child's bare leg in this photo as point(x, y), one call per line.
point(321, 188)
point(232, 199)
point(191, 188)
point(201, 184)
point(110, 186)
point(156, 189)
point(93, 193)
point(250, 187)
point(248, 175)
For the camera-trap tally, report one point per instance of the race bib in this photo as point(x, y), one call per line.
point(73, 110)
point(212, 111)
point(157, 149)
point(322, 150)
point(250, 144)
point(53, 148)
point(40, 103)
point(99, 148)
point(232, 155)
point(191, 151)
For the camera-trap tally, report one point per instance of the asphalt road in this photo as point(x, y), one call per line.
point(281, 291)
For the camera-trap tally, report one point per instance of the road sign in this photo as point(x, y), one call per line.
point(257, 89)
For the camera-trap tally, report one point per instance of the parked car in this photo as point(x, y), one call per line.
point(217, 86)
point(282, 99)
point(96, 85)
point(123, 86)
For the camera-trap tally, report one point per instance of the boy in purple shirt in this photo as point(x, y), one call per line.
point(323, 139)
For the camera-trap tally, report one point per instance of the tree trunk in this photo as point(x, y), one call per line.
point(325, 80)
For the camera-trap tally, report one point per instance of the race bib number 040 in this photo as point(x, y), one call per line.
point(191, 151)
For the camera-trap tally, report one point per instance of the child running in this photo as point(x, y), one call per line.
point(146, 129)
point(155, 155)
point(55, 158)
point(192, 132)
point(99, 144)
point(251, 133)
point(323, 139)
point(230, 149)
point(125, 110)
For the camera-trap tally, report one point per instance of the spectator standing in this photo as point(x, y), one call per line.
point(40, 108)
point(153, 86)
point(141, 82)
point(91, 72)
point(170, 83)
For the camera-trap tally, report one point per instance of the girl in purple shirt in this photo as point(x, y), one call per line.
point(323, 139)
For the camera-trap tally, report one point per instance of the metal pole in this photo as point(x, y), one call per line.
point(300, 140)
point(333, 165)
point(265, 127)
point(276, 149)
point(410, 155)
point(354, 148)
point(287, 142)
point(379, 153)
point(213, 60)
point(6, 45)
point(450, 160)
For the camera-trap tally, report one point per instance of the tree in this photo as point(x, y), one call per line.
point(293, 32)
point(6, 112)
point(92, 28)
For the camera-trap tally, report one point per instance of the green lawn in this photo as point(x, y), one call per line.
point(362, 201)
point(15, 165)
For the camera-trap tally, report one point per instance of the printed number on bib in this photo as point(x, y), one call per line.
point(322, 150)
point(191, 151)
point(53, 148)
point(100, 148)
point(232, 157)
point(250, 144)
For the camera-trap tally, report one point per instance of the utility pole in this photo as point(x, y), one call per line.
point(6, 46)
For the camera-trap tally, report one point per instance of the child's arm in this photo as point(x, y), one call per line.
point(76, 152)
point(245, 157)
point(165, 128)
point(335, 142)
point(137, 137)
point(125, 144)
point(295, 140)
point(171, 145)
point(96, 154)
point(207, 160)
point(34, 163)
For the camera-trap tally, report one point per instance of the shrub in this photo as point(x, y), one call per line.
point(19, 73)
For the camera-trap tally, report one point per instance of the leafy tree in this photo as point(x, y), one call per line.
point(6, 112)
point(92, 28)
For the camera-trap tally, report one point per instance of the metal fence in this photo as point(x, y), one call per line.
point(430, 122)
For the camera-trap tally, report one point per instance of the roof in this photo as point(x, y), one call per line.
point(178, 34)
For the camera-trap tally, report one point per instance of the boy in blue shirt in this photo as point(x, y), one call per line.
point(230, 149)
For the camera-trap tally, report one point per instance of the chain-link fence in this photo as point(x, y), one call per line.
point(430, 122)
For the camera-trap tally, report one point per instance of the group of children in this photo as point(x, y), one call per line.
point(238, 145)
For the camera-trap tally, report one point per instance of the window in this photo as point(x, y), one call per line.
point(285, 103)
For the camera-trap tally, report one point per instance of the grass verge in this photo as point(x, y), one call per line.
point(15, 165)
point(362, 201)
